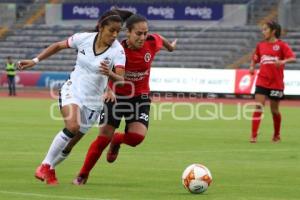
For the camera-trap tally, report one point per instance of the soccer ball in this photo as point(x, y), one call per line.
point(196, 178)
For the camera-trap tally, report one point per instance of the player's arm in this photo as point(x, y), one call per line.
point(289, 56)
point(252, 67)
point(116, 77)
point(287, 60)
point(49, 51)
point(109, 95)
point(170, 46)
point(254, 60)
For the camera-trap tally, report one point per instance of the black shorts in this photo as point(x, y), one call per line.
point(135, 109)
point(271, 93)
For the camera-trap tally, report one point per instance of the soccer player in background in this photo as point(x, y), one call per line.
point(272, 54)
point(81, 96)
point(132, 100)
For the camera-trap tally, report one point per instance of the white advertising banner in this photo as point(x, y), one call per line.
point(292, 82)
point(226, 81)
point(192, 80)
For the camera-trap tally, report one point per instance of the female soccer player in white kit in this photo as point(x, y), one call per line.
point(81, 96)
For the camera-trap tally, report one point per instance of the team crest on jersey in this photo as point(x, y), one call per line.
point(107, 60)
point(276, 47)
point(147, 57)
point(69, 83)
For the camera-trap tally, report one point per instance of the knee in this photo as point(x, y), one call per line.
point(107, 131)
point(133, 139)
point(259, 108)
point(137, 143)
point(275, 111)
point(73, 128)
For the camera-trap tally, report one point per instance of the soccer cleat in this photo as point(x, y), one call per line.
point(41, 171)
point(113, 152)
point(253, 139)
point(51, 178)
point(276, 138)
point(80, 180)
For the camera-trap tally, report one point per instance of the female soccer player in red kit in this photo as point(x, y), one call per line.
point(132, 100)
point(272, 54)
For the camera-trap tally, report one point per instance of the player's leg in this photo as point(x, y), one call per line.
point(109, 120)
point(94, 152)
point(134, 134)
point(136, 128)
point(260, 98)
point(71, 114)
point(274, 105)
point(88, 118)
point(70, 111)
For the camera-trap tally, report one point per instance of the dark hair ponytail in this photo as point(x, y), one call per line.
point(114, 15)
point(124, 14)
point(275, 26)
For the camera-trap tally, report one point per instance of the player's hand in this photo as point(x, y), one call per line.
point(279, 63)
point(104, 69)
point(173, 44)
point(251, 70)
point(109, 96)
point(25, 64)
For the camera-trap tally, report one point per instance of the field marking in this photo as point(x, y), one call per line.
point(218, 151)
point(49, 196)
point(172, 152)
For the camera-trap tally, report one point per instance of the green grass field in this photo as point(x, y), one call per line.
point(241, 171)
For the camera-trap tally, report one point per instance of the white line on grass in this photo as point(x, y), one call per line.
point(218, 151)
point(49, 196)
point(175, 152)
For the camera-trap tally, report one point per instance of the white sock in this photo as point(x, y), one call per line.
point(59, 158)
point(58, 144)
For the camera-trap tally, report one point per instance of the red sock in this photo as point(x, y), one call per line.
point(117, 138)
point(133, 139)
point(256, 118)
point(129, 138)
point(277, 124)
point(93, 154)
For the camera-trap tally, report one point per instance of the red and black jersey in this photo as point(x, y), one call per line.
point(267, 53)
point(137, 67)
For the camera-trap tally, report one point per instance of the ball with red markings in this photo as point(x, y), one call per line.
point(196, 178)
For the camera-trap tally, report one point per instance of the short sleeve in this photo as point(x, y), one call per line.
point(119, 58)
point(75, 40)
point(158, 41)
point(256, 55)
point(287, 51)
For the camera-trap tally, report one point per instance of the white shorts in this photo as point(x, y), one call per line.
point(67, 95)
point(88, 117)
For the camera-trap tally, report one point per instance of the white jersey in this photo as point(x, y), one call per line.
point(87, 83)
